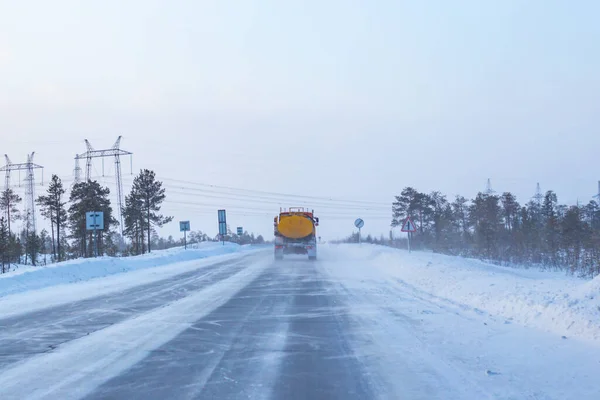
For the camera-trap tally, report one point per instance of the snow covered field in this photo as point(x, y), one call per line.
point(438, 327)
point(550, 301)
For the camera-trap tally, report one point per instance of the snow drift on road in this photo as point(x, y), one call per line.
point(546, 300)
point(30, 278)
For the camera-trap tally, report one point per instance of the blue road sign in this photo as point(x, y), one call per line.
point(184, 226)
point(94, 221)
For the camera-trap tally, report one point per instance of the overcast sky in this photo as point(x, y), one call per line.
point(341, 99)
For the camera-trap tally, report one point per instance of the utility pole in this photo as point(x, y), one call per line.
point(29, 167)
point(116, 152)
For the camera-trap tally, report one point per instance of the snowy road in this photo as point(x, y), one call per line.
point(251, 328)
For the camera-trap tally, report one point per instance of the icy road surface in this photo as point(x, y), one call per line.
point(343, 327)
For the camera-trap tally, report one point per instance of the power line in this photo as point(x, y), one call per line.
point(273, 193)
point(268, 200)
point(247, 195)
point(245, 207)
point(269, 211)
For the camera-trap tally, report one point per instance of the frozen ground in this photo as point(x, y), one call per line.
point(362, 322)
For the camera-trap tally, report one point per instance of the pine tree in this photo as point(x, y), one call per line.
point(573, 233)
point(510, 208)
point(86, 197)
point(133, 220)
point(590, 264)
point(532, 227)
point(4, 245)
point(442, 222)
point(45, 243)
point(111, 243)
point(460, 218)
point(9, 202)
point(510, 216)
point(46, 212)
point(150, 194)
point(485, 216)
point(405, 205)
point(592, 215)
point(33, 246)
point(550, 229)
point(418, 206)
point(32, 242)
point(15, 248)
point(53, 208)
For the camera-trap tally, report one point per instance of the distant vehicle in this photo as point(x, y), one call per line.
point(296, 233)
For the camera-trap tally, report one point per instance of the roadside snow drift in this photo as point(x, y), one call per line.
point(30, 278)
point(551, 301)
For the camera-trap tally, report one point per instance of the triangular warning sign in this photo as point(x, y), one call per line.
point(408, 226)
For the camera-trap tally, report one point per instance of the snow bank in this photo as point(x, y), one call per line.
point(545, 300)
point(27, 278)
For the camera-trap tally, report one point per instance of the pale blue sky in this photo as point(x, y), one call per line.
point(379, 94)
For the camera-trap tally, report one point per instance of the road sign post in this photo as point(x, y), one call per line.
point(359, 223)
point(184, 226)
point(222, 225)
point(409, 228)
point(94, 221)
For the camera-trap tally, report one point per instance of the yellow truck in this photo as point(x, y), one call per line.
point(296, 232)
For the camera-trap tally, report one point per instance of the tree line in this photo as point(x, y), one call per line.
point(499, 229)
point(196, 237)
point(69, 237)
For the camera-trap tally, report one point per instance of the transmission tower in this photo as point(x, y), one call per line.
point(7, 169)
point(116, 152)
point(77, 170)
point(29, 167)
point(538, 197)
point(488, 187)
